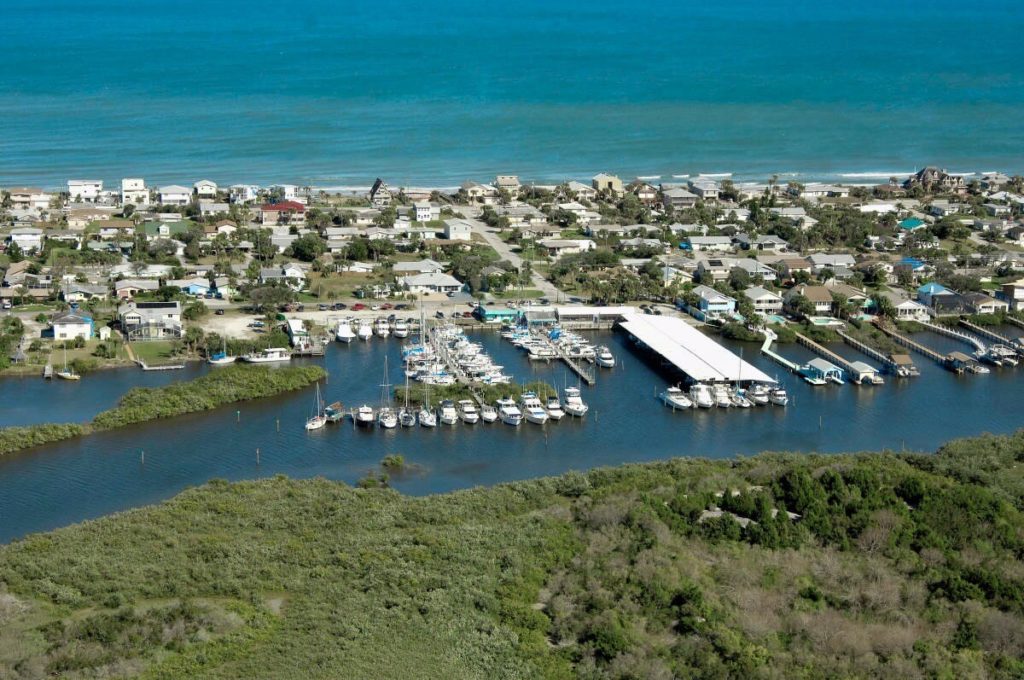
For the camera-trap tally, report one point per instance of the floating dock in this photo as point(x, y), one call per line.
point(766, 349)
point(690, 351)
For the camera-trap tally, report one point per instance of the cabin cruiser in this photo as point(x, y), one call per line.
point(573, 403)
point(488, 413)
point(381, 327)
point(720, 393)
point(540, 352)
point(675, 398)
point(757, 394)
point(448, 414)
point(701, 395)
point(364, 331)
point(604, 358)
point(344, 333)
point(401, 329)
point(427, 417)
point(778, 396)
point(554, 408)
point(364, 415)
point(468, 412)
point(532, 409)
point(509, 412)
point(267, 356)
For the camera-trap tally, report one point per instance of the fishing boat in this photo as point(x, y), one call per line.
point(401, 329)
point(221, 358)
point(573, 403)
point(447, 413)
point(604, 358)
point(532, 408)
point(778, 396)
point(67, 373)
point(675, 398)
point(344, 333)
point(334, 412)
point(269, 355)
point(381, 327)
point(488, 413)
point(364, 331)
point(468, 411)
point(318, 419)
point(554, 408)
point(509, 412)
point(700, 394)
point(364, 416)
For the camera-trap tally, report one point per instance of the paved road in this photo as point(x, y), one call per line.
point(490, 235)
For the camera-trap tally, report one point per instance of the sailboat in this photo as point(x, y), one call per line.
point(221, 358)
point(427, 417)
point(318, 419)
point(67, 373)
point(386, 416)
point(406, 418)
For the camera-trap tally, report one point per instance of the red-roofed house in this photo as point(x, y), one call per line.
point(285, 212)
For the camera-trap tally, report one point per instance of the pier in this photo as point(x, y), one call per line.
point(956, 362)
point(992, 335)
point(586, 373)
point(902, 370)
point(858, 371)
point(766, 349)
point(978, 345)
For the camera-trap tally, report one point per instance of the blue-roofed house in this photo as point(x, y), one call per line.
point(930, 293)
point(912, 224)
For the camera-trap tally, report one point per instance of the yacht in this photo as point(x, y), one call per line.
point(533, 409)
point(675, 398)
point(364, 331)
point(364, 415)
point(554, 408)
point(757, 394)
point(778, 396)
point(387, 418)
point(448, 414)
point(720, 393)
point(267, 356)
point(509, 412)
point(468, 411)
point(345, 333)
point(604, 358)
point(573, 403)
point(401, 329)
point(541, 353)
point(488, 413)
point(701, 395)
point(382, 328)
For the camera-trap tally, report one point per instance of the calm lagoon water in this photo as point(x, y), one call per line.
point(334, 94)
point(68, 482)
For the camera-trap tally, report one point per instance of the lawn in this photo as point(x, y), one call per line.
point(154, 351)
point(516, 294)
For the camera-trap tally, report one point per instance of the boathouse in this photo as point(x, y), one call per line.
point(861, 372)
point(824, 370)
point(496, 314)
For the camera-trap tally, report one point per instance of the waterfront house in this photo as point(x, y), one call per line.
point(678, 199)
point(480, 193)
point(980, 303)
point(431, 283)
point(929, 292)
point(819, 296)
point(709, 243)
point(705, 189)
point(819, 191)
point(854, 296)
point(210, 208)
point(32, 199)
point(458, 230)
point(765, 302)
point(174, 194)
point(714, 304)
point(142, 321)
point(557, 247)
point(297, 332)
point(509, 183)
point(380, 196)
point(72, 324)
point(85, 190)
point(243, 193)
point(285, 212)
point(647, 193)
point(204, 188)
point(1013, 294)
point(609, 184)
point(134, 192)
point(754, 269)
point(583, 192)
point(932, 178)
point(910, 310)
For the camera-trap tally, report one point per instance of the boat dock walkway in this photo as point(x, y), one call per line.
point(940, 359)
point(978, 345)
point(766, 349)
point(586, 373)
point(877, 355)
point(992, 335)
point(828, 354)
point(159, 367)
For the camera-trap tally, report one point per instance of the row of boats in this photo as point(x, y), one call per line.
point(703, 395)
point(364, 329)
point(541, 347)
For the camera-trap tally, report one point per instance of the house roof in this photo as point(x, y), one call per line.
point(283, 206)
point(431, 279)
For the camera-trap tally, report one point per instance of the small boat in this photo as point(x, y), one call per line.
point(344, 333)
point(778, 396)
point(364, 415)
point(721, 396)
point(554, 408)
point(488, 413)
point(401, 329)
point(604, 357)
point(382, 328)
point(533, 410)
point(447, 413)
point(318, 419)
point(387, 418)
point(757, 394)
point(701, 395)
point(675, 398)
point(468, 411)
point(267, 356)
point(48, 371)
point(364, 331)
point(509, 412)
point(573, 403)
point(67, 373)
point(334, 412)
point(406, 418)
point(221, 358)
point(740, 400)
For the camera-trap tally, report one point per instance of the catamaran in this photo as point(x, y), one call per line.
point(318, 419)
point(573, 403)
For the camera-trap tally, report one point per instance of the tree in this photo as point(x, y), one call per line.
point(269, 297)
point(15, 253)
point(308, 247)
point(194, 311)
point(884, 306)
point(801, 305)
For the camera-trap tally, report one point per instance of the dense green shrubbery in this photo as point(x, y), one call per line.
point(16, 438)
point(738, 331)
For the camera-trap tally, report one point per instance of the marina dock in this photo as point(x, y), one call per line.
point(585, 372)
point(766, 349)
point(978, 345)
point(956, 361)
point(858, 371)
point(903, 369)
point(990, 334)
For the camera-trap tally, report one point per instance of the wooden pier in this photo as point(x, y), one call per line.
point(586, 373)
point(766, 349)
point(885, 359)
point(992, 335)
point(940, 359)
point(978, 345)
point(828, 354)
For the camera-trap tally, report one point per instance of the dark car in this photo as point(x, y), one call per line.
point(451, 293)
point(300, 308)
point(338, 306)
point(544, 301)
point(323, 307)
point(439, 314)
point(401, 306)
point(391, 318)
point(219, 312)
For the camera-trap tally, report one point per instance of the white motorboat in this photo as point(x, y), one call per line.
point(344, 332)
point(778, 396)
point(447, 413)
point(573, 403)
point(267, 356)
point(701, 395)
point(401, 329)
point(488, 413)
point(468, 411)
point(509, 412)
point(604, 357)
point(364, 331)
point(387, 418)
point(675, 398)
point(533, 409)
point(318, 419)
point(722, 397)
point(554, 408)
point(757, 394)
point(382, 328)
point(364, 415)
point(541, 353)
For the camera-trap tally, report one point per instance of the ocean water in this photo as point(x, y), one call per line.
point(336, 93)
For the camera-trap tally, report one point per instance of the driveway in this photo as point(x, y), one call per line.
point(490, 235)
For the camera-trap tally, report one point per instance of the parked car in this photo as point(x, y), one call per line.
point(358, 307)
point(323, 307)
point(386, 305)
point(338, 306)
point(439, 314)
point(401, 306)
point(451, 293)
point(219, 312)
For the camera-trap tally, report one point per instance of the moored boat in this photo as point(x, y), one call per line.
point(488, 413)
point(573, 403)
point(604, 357)
point(675, 398)
point(700, 394)
point(533, 409)
point(468, 411)
point(344, 333)
point(554, 408)
point(447, 413)
point(269, 355)
point(509, 412)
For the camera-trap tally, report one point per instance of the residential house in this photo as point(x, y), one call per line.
point(480, 193)
point(425, 266)
point(980, 303)
point(290, 274)
point(174, 194)
point(141, 321)
point(754, 269)
point(79, 217)
point(243, 193)
point(766, 243)
point(204, 188)
point(583, 192)
point(114, 229)
point(934, 179)
point(74, 292)
point(607, 183)
point(29, 198)
point(819, 296)
point(85, 190)
point(795, 215)
point(910, 310)
point(1013, 294)
point(818, 191)
point(72, 324)
point(998, 209)
point(522, 215)
point(765, 302)
point(509, 183)
point(709, 243)
point(164, 230)
point(427, 211)
point(821, 261)
point(705, 189)
point(431, 283)
point(285, 212)
point(678, 199)
point(714, 304)
point(28, 239)
point(126, 289)
point(944, 208)
point(856, 297)
point(193, 286)
point(930, 293)
point(713, 270)
point(380, 196)
point(458, 230)
point(791, 266)
point(647, 193)
point(134, 192)
point(557, 247)
point(210, 208)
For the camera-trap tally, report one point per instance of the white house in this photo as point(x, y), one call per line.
point(27, 238)
point(425, 211)
point(911, 310)
point(425, 266)
point(712, 243)
point(290, 274)
point(705, 189)
point(458, 230)
point(431, 283)
point(557, 247)
point(71, 325)
point(243, 193)
point(204, 188)
point(134, 191)
point(150, 320)
point(765, 301)
point(29, 198)
point(85, 190)
point(480, 193)
point(174, 194)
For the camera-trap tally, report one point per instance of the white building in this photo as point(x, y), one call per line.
point(29, 198)
point(84, 190)
point(425, 211)
point(557, 247)
point(431, 283)
point(765, 302)
point(27, 238)
point(458, 230)
point(175, 194)
point(134, 191)
point(243, 193)
point(72, 325)
point(204, 188)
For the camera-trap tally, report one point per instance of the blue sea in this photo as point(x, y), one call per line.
point(422, 92)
